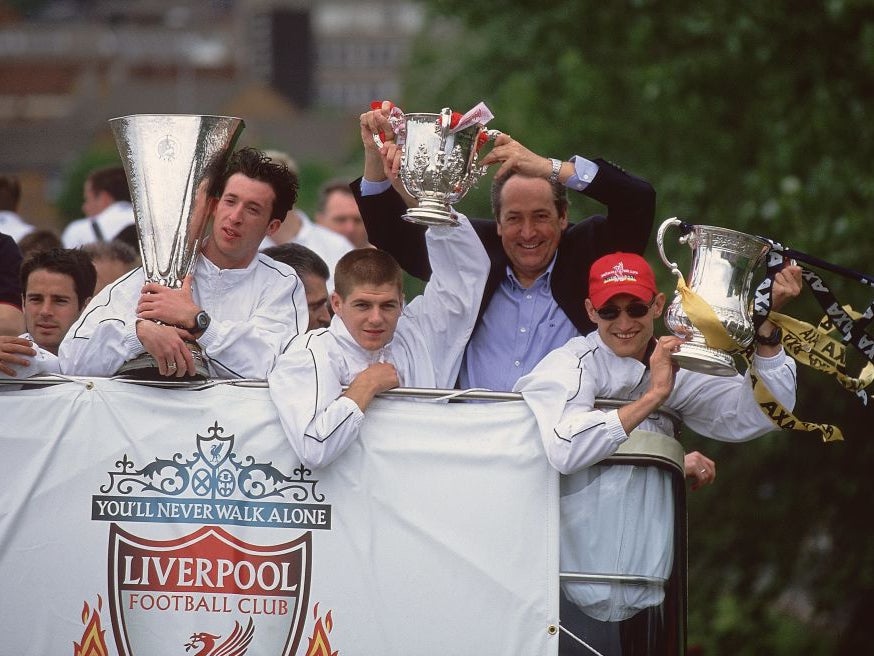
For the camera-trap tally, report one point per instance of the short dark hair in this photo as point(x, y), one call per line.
point(366, 266)
point(329, 188)
point(112, 180)
point(559, 194)
point(256, 165)
point(69, 261)
point(128, 236)
point(303, 260)
point(38, 240)
point(111, 250)
point(10, 193)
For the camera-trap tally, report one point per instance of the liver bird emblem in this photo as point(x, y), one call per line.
point(236, 644)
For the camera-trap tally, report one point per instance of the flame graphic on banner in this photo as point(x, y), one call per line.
point(320, 645)
point(93, 642)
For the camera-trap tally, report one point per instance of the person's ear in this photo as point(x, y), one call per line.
point(273, 226)
point(590, 310)
point(658, 305)
point(336, 302)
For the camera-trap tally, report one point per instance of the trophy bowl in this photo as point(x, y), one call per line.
point(438, 163)
point(723, 264)
point(171, 162)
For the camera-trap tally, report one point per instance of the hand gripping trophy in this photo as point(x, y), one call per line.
point(171, 162)
point(438, 159)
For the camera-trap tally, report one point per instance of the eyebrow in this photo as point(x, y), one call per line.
point(247, 203)
point(30, 295)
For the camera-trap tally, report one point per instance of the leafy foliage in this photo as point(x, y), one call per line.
point(69, 201)
point(749, 115)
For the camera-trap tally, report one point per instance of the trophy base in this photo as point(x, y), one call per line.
point(705, 360)
point(431, 213)
point(145, 367)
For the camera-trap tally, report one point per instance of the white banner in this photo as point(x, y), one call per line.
point(144, 521)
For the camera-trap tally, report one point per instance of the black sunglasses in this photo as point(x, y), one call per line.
point(635, 310)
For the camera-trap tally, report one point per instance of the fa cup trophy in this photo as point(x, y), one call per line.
point(438, 159)
point(171, 162)
point(723, 264)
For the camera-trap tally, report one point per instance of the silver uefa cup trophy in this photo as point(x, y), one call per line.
point(723, 264)
point(171, 162)
point(438, 165)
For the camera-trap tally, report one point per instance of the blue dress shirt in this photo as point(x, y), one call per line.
point(518, 328)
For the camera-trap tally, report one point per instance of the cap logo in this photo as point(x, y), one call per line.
point(619, 273)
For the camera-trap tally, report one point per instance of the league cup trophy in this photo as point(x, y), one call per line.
point(438, 159)
point(171, 161)
point(723, 264)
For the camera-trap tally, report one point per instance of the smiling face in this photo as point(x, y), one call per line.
point(530, 226)
point(370, 313)
point(242, 219)
point(50, 307)
point(625, 335)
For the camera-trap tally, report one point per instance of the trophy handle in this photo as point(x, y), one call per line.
point(660, 242)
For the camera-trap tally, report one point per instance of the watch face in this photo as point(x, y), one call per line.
point(202, 320)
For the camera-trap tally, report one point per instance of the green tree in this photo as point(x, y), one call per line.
point(753, 116)
point(70, 197)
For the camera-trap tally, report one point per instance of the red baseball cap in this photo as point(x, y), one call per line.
point(621, 273)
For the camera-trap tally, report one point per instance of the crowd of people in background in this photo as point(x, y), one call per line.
point(530, 300)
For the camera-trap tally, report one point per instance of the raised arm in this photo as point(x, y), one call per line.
point(382, 211)
point(446, 311)
point(630, 203)
point(726, 408)
point(387, 230)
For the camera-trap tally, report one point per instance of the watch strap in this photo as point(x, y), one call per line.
point(201, 321)
point(556, 169)
point(773, 339)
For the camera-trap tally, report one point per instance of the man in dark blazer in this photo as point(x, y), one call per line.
point(533, 299)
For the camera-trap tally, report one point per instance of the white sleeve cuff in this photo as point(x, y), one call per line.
point(614, 427)
point(132, 344)
point(769, 363)
point(208, 336)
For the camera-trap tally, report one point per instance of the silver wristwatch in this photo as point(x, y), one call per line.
point(556, 169)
